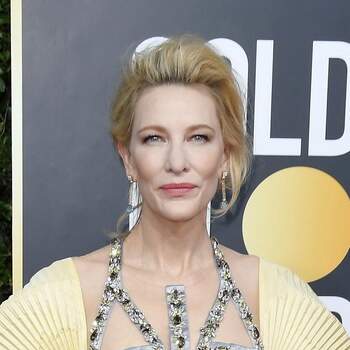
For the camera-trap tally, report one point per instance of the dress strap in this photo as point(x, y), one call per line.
point(228, 289)
point(112, 283)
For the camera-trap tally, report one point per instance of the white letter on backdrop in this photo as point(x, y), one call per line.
point(318, 144)
point(263, 143)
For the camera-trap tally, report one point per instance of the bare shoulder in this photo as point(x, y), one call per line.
point(92, 267)
point(245, 271)
point(94, 258)
point(244, 262)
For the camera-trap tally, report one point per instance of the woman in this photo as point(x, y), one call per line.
point(178, 125)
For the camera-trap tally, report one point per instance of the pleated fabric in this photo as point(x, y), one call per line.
point(48, 313)
point(292, 315)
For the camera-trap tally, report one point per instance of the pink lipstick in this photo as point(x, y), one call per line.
point(177, 189)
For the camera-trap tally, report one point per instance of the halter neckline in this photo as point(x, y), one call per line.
point(178, 325)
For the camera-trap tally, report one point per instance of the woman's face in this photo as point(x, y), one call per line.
point(176, 138)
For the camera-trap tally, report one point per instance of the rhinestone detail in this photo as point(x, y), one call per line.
point(114, 292)
point(178, 323)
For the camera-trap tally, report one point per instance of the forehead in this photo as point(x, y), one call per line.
point(175, 105)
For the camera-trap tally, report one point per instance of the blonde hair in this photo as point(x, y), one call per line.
point(188, 59)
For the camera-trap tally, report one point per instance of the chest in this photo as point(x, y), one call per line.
point(197, 298)
point(179, 316)
point(121, 333)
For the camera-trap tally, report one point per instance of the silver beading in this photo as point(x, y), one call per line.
point(114, 292)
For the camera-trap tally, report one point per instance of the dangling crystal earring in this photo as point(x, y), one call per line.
point(130, 208)
point(223, 203)
point(208, 216)
point(134, 208)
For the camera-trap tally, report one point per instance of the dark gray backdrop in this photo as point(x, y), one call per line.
point(74, 186)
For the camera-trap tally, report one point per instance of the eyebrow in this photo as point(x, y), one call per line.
point(162, 129)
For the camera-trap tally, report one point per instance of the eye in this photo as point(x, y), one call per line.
point(151, 138)
point(201, 138)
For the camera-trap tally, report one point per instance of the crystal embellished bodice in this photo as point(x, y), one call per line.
point(177, 310)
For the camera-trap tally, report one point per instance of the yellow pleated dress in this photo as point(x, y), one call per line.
point(48, 313)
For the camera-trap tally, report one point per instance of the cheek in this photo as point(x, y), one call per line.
point(148, 163)
point(207, 162)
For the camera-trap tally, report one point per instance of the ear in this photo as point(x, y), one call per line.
point(224, 164)
point(127, 159)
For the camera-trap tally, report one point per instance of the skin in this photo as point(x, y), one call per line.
point(170, 244)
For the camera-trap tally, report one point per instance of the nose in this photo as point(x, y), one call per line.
point(176, 160)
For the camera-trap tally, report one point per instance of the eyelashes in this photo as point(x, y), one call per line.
point(201, 138)
point(149, 137)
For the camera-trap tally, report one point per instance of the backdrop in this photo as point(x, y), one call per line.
point(293, 61)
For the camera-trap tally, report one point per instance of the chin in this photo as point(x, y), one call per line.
point(179, 212)
point(178, 218)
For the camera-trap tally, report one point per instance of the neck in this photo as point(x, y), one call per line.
point(172, 248)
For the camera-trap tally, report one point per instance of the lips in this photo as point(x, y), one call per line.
point(178, 189)
point(178, 186)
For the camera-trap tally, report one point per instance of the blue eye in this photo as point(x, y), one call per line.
point(200, 137)
point(150, 137)
point(154, 138)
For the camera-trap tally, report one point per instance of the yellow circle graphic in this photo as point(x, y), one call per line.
point(299, 217)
